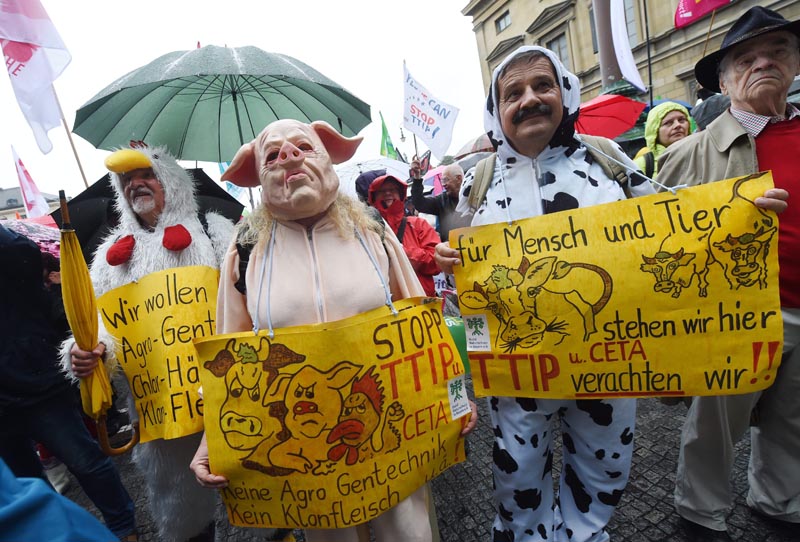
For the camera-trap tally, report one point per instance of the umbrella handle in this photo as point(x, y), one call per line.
point(102, 436)
point(62, 200)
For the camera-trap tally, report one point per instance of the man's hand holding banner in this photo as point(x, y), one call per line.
point(666, 295)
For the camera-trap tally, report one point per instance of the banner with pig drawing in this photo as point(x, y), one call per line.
point(666, 295)
point(154, 322)
point(330, 425)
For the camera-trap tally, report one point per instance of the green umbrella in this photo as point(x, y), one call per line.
point(205, 103)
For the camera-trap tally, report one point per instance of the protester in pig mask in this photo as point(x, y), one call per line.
point(332, 260)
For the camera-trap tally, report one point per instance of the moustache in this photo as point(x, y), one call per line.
point(141, 192)
point(522, 114)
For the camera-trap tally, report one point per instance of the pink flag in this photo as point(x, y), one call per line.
point(690, 11)
point(35, 204)
point(35, 56)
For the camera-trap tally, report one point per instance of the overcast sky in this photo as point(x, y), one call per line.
point(360, 44)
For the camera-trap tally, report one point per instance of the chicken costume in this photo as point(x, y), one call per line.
point(180, 509)
point(319, 257)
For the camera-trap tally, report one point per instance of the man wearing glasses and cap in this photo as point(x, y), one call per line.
point(758, 60)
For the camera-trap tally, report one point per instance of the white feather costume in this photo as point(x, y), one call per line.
point(178, 505)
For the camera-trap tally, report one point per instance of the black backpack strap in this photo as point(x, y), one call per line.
point(401, 230)
point(203, 222)
point(649, 164)
point(244, 258)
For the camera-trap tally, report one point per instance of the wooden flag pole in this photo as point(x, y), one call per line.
point(708, 34)
point(69, 136)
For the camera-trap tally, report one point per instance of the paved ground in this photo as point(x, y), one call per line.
point(463, 494)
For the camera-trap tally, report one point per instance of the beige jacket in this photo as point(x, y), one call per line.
point(722, 151)
point(317, 276)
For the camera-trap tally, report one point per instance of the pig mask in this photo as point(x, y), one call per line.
point(293, 162)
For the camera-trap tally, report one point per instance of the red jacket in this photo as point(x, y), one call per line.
point(419, 239)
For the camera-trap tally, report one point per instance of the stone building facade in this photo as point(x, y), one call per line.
point(567, 27)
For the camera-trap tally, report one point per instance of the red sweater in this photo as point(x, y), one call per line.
point(777, 149)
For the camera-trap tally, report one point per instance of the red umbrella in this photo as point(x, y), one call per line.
point(608, 115)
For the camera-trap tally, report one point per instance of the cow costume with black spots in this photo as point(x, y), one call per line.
point(541, 168)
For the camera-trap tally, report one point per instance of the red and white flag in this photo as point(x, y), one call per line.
point(690, 11)
point(35, 204)
point(35, 56)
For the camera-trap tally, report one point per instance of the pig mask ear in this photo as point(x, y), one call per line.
point(339, 148)
point(243, 170)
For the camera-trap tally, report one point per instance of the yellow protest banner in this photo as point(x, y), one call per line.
point(154, 322)
point(666, 295)
point(330, 425)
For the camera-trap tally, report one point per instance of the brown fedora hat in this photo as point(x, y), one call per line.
point(755, 22)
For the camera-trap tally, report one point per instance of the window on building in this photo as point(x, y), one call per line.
point(12, 202)
point(630, 21)
point(594, 31)
point(502, 22)
point(559, 46)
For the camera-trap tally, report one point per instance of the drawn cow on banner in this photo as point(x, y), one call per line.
point(541, 298)
point(675, 270)
point(742, 257)
point(747, 263)
point(586, 287)
point(246, 381)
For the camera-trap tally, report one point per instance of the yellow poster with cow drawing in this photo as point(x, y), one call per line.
point(154, 322)
point(665, 295)
point(330, 425)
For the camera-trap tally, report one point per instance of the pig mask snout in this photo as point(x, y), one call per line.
point(289, 154)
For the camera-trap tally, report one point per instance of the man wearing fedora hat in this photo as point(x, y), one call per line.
point(758, 60)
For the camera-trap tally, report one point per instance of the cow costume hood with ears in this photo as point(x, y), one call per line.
point(563, 176)
point(268, 159)
point(570, 99)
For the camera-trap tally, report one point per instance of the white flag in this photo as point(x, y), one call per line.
point(622, 46)
point(35, 204)
point(429, 118)
point(35, 56)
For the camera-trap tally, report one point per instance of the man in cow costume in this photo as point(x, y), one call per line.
point(541, 168)
point(159, 229)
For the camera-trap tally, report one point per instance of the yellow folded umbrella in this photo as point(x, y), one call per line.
point(81, 309)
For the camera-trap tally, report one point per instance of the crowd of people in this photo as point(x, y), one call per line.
point(331, 257)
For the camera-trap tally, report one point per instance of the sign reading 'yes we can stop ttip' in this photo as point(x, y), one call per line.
point(154, 322)
point(330, 425)
point(664, 295)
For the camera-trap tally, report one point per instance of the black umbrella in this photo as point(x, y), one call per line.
point(94, 216)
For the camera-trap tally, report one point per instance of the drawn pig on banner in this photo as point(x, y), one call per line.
point(316, 417)
point(741, 257)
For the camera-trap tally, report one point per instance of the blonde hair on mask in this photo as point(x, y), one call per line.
point(346, 213)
